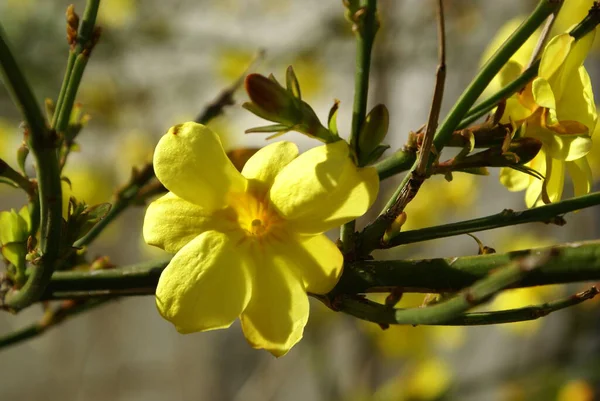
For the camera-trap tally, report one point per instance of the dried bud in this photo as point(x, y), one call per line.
point(520, 151)
point(72, 26)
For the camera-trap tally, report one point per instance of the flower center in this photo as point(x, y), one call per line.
point(255, 215)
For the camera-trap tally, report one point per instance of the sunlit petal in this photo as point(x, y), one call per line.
point(206, 285)
point(190, 162)
point(265, 164)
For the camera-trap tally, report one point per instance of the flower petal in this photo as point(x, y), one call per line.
point(305, 184)
point(514, 180)
point(574, 60)
point(352, 198)
point(581, 175)
point(206, 286)
point(315, 258)
point(278, 311)
point(554, 55)
point(555, 178)
point(542, 93)
point(534, 190)
point(574, 147)
point(265, 164)
point(190, 162)
point(577, 101)
point(171, 222)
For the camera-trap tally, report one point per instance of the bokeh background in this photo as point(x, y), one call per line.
point(158, 63)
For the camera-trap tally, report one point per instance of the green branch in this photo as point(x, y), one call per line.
point(551, 213)
point(570, 263)
point(377, 313)
point(43, 147)
point(365, 27)
point(76, 63)
point(445, 311)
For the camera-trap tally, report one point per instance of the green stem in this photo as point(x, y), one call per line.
point(546, 214)
point(377, 313)
point(64, 114)
point(400, 161)
point(366, 29)
point(63, 87)
point(445, 311)
point(570, 263)
point(43, 144)
point(76, 64)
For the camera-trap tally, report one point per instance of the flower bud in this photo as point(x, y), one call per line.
point(271, 101)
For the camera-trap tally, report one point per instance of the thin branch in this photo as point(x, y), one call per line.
point(225, 98)
point(52, 318)
point(549, 214)
point(377, 313)
point(438, 94)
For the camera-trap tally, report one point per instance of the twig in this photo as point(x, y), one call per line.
point(378, 313)
point(549, 214)
point(438, 94)
point(51, 319)
point(365, 28)
point(225, 98)
point(22, 182)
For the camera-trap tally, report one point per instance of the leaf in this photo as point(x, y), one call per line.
point(292, 82)
point(332, 118)
point(268, 128)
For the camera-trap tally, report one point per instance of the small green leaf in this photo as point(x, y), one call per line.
point(292, 82)
point(268, 128)
point(332, 118)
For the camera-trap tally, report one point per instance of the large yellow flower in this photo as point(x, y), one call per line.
point(558, 109)
point(250, 244)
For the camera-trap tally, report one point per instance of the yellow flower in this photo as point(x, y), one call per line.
point(250, 244)
point(576, 390)
point(558, 109)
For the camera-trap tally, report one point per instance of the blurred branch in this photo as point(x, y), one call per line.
point(365, 26)
point(225, 98)
point(52, 318)
point(549, 214)
point(371, 236)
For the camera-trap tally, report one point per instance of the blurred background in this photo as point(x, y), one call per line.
point(157, 64)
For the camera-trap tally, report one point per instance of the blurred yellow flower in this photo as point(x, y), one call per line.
point(576, 390)
point(87, 184)
point(116, 13)
point(439, 198)
point(250, 244)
